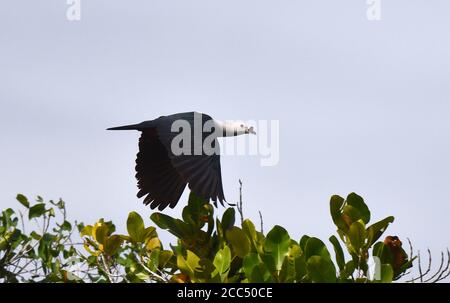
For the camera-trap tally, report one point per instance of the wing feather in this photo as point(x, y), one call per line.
point(156, 175)
point(201, 172)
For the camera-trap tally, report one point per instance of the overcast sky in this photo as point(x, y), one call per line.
point(363, 105)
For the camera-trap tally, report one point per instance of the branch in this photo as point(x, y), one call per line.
point(148, 270)
point(439, 270)
point(239, 204)
point(441, 273)
point(262, 222)
point(446, 272)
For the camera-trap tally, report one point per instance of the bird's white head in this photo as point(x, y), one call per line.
point(229, 129)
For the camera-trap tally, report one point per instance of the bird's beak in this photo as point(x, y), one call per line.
point(251, 131)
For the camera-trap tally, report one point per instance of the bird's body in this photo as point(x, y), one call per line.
point(179, 150)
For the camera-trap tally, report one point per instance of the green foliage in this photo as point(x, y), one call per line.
point(208, 249)
point(222, 262)
point(41, 255)
point(277, 245)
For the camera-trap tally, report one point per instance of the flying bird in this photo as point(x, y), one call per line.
point(179, 150)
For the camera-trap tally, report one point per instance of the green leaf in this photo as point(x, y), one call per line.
point(35, 235)
point(142, 276)
point(196, 201)
point(100, 232)
point(112, 245)
point(287, 272)
point(249, 229)
point(339, 252)
point(300, 268)
point(153, 262)
point(351, 214)
point(318, 261)
point(164, 257)
point(357, 235)
point(377, 229)
point(192, 260)
point(135, 227)
point(321, 270)
point(383, 252)
point(259, 275)
point(277, 244)
point(3, 243)
point(294, 250)
point(387, 273)
point(196, 212)
point(86, 231)
point(80, 226)
point(36, 211)
point(190, 265)
point(66, 226)
point(228, 218)
point(150, 232)
point(23, 200)
point(222, 262)
point(336, 206)
point(358, 202)
point(7, 219)
point(175, 226)
point(349, 268)
point(315, 247)
point(238, 241)
point(153, 243)
point(44, 246)
point(269, 261)
point(303, 242)
point(250, 261)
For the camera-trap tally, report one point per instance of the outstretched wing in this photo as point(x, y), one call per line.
point(157, 177)
point(200, 170)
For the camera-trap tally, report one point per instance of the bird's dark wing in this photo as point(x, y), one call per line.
point(203, 174)
point(201, 171)
point(157, 177)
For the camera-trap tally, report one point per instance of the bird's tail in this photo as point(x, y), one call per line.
point(125, 127)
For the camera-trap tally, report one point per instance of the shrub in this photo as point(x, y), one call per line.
point(208, 248)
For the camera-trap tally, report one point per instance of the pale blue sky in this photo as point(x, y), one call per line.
point(363, 106)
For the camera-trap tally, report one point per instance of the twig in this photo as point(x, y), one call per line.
point(422, 275)
point(440, 274)
point(262, 222)
point(106, 269)
point(439, 270)
point(420, 267)
point(410, 249)
point(429, 263)
point(239, 204)
point(149, 270)
point(22, 222)
point(23, 251)
point(444, 274)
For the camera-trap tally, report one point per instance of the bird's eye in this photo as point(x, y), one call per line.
point(242, 125)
